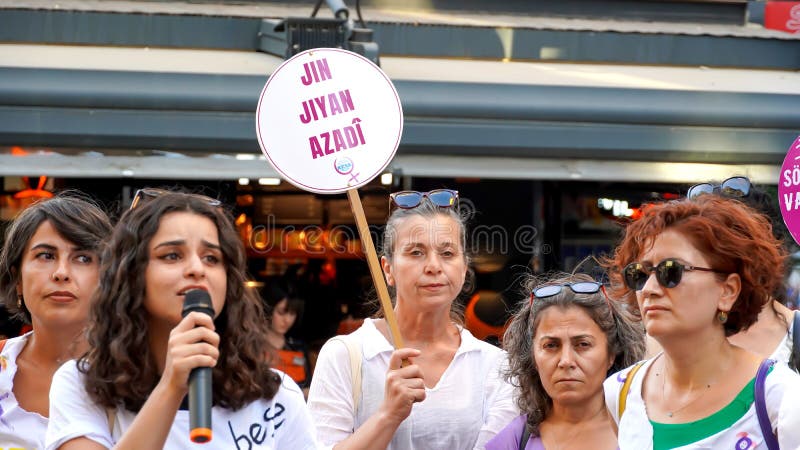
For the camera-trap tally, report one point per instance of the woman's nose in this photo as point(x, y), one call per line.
point(567, 359)
point(433, 264)
point(62, 271)
point(195, 267)
point(651, 285)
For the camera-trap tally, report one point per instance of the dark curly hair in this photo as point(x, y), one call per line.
point(120, 368)
point(74, 216)
point(624, 333)
point(733, 237)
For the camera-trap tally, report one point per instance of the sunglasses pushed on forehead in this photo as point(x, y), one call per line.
point(443, 198)
point(735, 187)
point(669, 273)
point(580, 287)
point(149, 193)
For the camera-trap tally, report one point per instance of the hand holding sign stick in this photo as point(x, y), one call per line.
point(329, 121)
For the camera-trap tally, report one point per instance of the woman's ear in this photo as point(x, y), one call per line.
point(731, 288)
point(387, 270)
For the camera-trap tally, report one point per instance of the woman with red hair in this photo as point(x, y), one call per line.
point(699, 271)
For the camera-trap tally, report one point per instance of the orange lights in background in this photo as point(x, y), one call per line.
point(327, 273)
point(21, 193)
point(38, 193)
point(308, 242)
point(241, 220)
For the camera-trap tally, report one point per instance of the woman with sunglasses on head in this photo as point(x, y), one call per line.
point(49, 270)
point(773, 333)
point(562, 345)
point(129, 391)
point(699, 271)
point(451, 395)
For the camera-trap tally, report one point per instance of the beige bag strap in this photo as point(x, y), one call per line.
point(354, 351)
point(623, 393)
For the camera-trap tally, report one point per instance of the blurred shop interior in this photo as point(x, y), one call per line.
point(309, 244)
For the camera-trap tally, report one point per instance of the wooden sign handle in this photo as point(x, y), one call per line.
point(374, 266)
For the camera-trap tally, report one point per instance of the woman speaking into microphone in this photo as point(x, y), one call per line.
point(129, 391)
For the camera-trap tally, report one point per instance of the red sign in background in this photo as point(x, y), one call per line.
point(783, 16)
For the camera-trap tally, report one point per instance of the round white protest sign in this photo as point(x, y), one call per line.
point(329, 120)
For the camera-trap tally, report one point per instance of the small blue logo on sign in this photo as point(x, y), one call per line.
point(343, 165)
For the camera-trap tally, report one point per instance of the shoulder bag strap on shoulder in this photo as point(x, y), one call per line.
point(623, 393)
point(761, 405)
point(354, 352)
point(526, 434)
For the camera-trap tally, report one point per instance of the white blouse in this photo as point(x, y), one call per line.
point(19, 429)
point(468, 406)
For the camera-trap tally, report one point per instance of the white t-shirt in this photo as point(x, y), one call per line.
point(19, 429)
point(280, 423)
point(782, 388)
point(467, 407)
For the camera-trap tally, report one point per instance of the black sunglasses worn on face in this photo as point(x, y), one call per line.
point(668, 273)
point(149, 193)
point(736, 187)
point(443, 198)
point(581, 287)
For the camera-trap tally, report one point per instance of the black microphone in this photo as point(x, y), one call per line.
point(200, 377)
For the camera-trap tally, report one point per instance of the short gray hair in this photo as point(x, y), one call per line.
point(429, 211)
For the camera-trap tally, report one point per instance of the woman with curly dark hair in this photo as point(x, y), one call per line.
point(129, 390)
point(49, 270)
point(562, 344)
point(699, 271)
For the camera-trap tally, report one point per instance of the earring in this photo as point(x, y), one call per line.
point(722, 316)
point(19, 301)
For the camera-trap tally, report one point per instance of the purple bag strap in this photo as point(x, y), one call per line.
point(761, 405)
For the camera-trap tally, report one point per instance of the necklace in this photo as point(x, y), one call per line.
point(686, 405)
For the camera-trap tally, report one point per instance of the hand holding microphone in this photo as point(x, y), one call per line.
point(200, 399)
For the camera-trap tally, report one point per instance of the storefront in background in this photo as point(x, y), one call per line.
point(310, 244)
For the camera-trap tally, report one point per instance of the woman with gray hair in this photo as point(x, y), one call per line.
point(562, 344)
point(451, 395)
